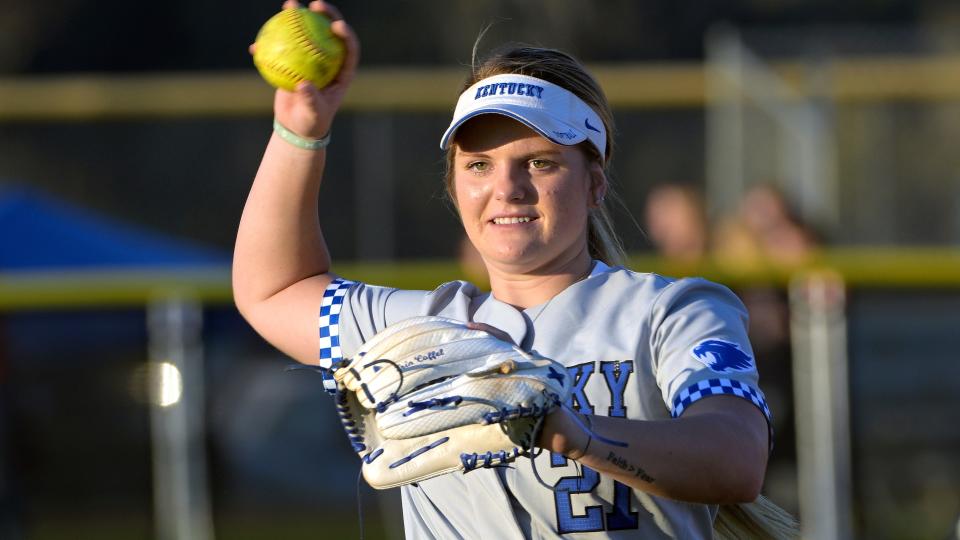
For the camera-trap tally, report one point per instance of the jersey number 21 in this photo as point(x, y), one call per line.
point(620, 517)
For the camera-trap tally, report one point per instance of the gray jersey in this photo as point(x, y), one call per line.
point(638, 346)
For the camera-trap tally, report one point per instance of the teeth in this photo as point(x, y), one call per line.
point(509, 220)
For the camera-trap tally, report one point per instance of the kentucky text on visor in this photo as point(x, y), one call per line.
point(551, 111)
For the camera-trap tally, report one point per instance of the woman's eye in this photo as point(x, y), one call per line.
point(539, 163)
point(478, 166)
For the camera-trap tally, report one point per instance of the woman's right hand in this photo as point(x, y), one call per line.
point(308, 111)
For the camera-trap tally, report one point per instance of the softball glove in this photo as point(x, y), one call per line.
point(429, 396)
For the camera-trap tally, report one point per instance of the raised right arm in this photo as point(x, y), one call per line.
point(281, 265)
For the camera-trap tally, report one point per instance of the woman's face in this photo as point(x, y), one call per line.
point(523, 199)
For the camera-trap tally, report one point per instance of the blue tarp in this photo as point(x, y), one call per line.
point(40, 232)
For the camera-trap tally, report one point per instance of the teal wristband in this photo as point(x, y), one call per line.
point(298, 141)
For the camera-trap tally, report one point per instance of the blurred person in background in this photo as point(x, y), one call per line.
point(763, 232)
point(676, 223)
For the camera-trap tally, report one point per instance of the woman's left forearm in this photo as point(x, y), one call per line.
point(715, 453)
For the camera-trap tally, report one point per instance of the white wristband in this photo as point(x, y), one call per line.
point(298, 141)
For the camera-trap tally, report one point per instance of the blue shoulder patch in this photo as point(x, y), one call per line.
point(722, 356)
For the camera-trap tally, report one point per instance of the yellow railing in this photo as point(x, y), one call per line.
point(860, 267)
point(629, 86)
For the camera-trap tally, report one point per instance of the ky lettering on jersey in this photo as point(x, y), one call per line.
point(616, 373)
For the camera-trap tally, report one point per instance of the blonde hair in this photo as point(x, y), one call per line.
point(563, 70)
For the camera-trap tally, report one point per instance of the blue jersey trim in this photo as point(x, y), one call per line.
point(330, 308)
point(717, 387)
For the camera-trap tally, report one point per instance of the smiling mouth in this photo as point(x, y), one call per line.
point(511, 220)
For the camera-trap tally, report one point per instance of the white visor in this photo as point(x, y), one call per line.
point(552, 111)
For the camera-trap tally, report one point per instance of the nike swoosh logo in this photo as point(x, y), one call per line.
point(586, 122)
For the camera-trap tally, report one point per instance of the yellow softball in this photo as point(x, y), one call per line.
point(297, 45)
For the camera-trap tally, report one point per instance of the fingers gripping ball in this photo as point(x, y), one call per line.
point(428, 396)
point(297, 45)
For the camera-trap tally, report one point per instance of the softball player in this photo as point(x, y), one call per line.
point(527, 154)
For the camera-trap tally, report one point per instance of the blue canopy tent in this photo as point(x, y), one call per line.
point(43, 233)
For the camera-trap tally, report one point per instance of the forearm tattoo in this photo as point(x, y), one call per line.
point(635, 470)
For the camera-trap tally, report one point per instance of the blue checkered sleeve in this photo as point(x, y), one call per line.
point(721, 386)
point(330, 308)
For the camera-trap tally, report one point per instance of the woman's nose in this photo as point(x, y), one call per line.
point(510, 185)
